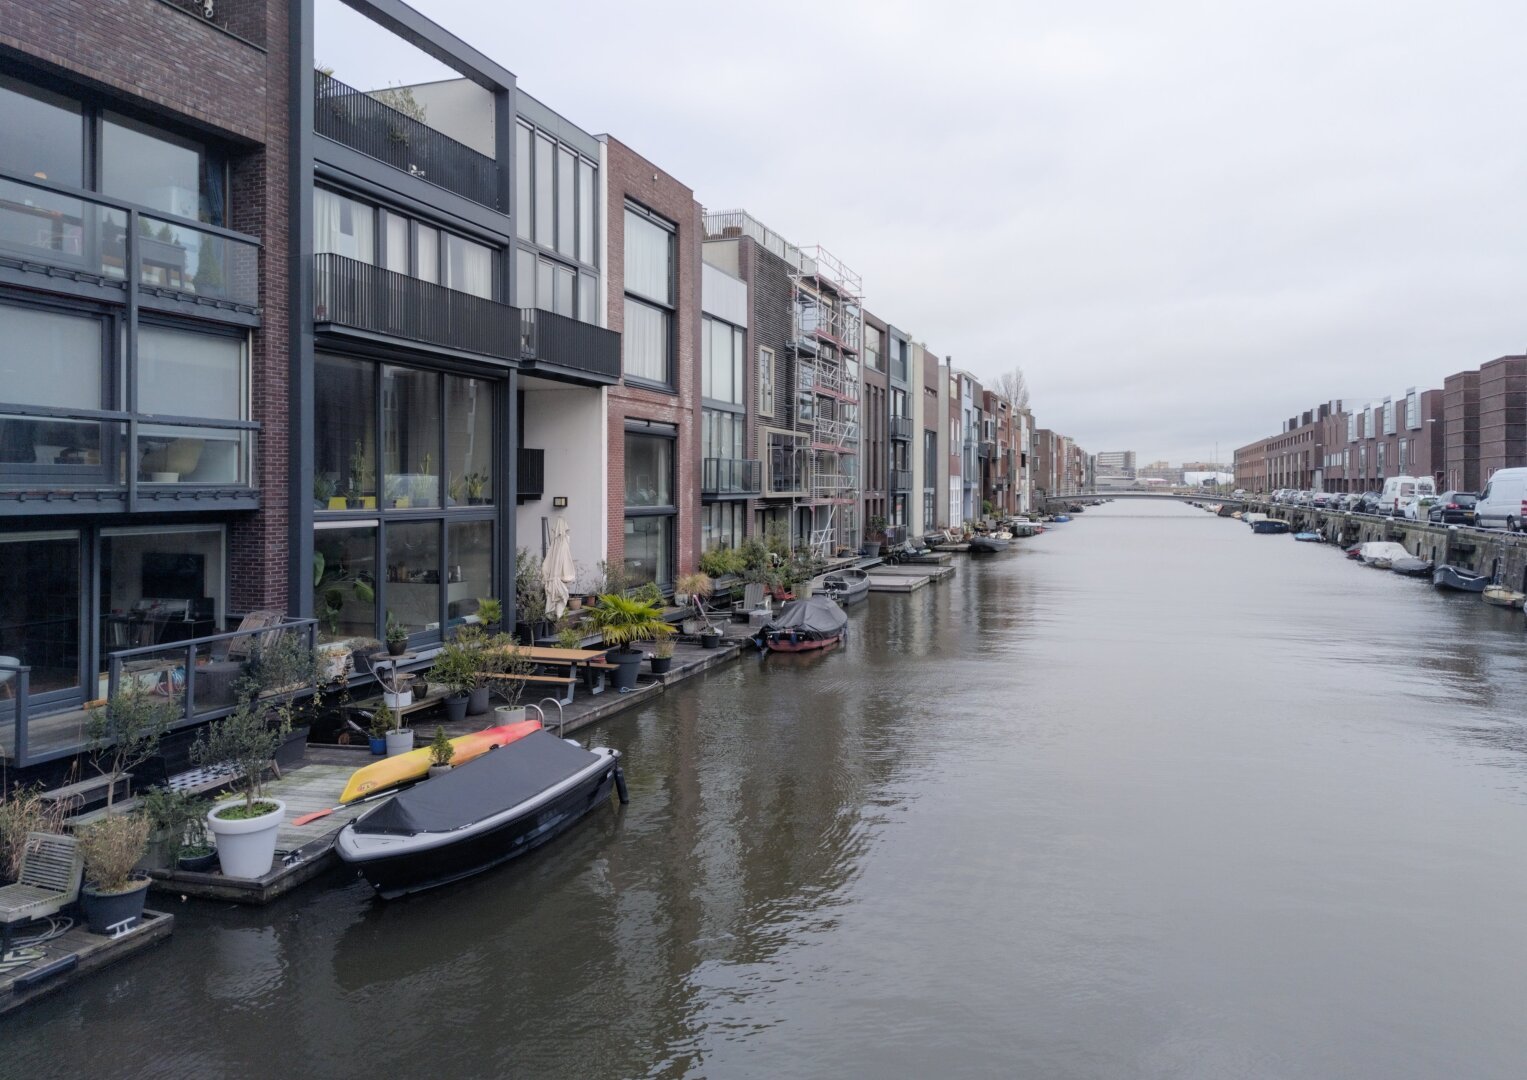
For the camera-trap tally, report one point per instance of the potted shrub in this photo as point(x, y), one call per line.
point(491, 613)
point(126, 733)
point(397, 637)
point(166, 811)
point(440, 753)
point(570, 637)
point(196, 850)
point(874, 535)
point(710, 636)
point(506, 657)
point(455, 669)
point(662, 655)
point(695, 587)
point(622, 620)
point(400, 740)
point(477, 486)
point(283, 677)
point(113, 894)
point(382, 721)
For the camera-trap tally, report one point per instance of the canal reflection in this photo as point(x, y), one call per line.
point(1146, 796)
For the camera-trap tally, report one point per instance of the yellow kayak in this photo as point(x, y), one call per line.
point(390, 772)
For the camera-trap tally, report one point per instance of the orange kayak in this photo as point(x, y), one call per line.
point(389, 772)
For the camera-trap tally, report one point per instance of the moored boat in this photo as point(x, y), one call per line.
point(1269, 526)
point(414, 765)
point(847, 585)
point(1059, 518)
point(987, 543)
point(1381, 553)
point(1456, 577)
point(815, 622)
point(1412, 567)
point(1501, 596)
point(499, 806)
point(1309, 538)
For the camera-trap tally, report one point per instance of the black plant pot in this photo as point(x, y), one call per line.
point(710, 640)
point(104, 910)
point(397, 648)
point(627, 663)
point(456, 708)
point(661, 664)
point(199, 863)
point(477, 701)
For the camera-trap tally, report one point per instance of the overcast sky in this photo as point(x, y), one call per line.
point(1184, 220)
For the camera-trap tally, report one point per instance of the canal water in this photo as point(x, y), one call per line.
point(1148, 796)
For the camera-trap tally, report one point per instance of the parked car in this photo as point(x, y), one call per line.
point(1453, 508)
point(1500, 503)
point(1399, 488)
point(1369, 503)
point(1352, 501)
point(1415, 507)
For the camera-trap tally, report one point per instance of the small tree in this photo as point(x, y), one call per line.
point(440, 749)
point(1014, 386)
point(126, 733)
point(506, 657)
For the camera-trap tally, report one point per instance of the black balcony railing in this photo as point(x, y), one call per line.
point(901, 479)
point(366, 297)
point(730, 476)
point(530, 474)
point(901, 428)
point(567, 343)
point(363, 123)
point(986, 449)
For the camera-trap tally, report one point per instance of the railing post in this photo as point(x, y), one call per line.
point(23, 694)
point(190, 703)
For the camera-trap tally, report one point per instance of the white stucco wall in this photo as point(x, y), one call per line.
point(568, 423)
point(458, 108)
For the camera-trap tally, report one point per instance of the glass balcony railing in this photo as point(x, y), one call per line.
point(43, 226)
point(730, 476)
point(43, 449)
point(901, 428)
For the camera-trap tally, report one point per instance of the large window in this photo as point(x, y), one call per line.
point(650, 508)
point(155, 168)
point(41, 134)
point(411, 427)
point(40, 607)
point(721, 434)
point(357, 230)
point(721, 354)
point(873, 339)
point(51, 358)
point(647, 342)
point(555, 208)
point(344, 580)
point(191, 374)
point(722, 524)
point(766, 381)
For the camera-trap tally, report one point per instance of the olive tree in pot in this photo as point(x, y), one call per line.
point(112, 847)
point(507, 662)
point(440, 753)
point(126, 733)
point(874, 535)
point(456, 669)
point(623, 620)
point(282, 679)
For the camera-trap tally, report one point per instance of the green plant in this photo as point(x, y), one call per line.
point(695, 584)
point(624, 619)
point(323, 489)
point(23, 811)
point(506, 657)
point(777, 540)
point(719, 561)
point(396, 631)
point(440, 749)
point(874, 528)
point(382, 721)
point(753, 553)
point(454, 488)
point(112, 846)
point(127, 732)
point(459, 663)
point(476, 484)
point(649, 591)
point(613, 578)
point(360, 470)
point(570, 637)
point(181, 816)
point(489, 612)
point(662, 648)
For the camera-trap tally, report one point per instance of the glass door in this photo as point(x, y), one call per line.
point(40, 593)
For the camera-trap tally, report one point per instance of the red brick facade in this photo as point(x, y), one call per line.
point(630, 176)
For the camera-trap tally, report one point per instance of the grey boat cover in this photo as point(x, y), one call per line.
point(480, 788)
point(813, 615)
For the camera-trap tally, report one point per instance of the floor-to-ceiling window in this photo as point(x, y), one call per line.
point(650, 508)
point(404, 495)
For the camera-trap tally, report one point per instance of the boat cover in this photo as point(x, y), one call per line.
point(815, 615)
point(1382, 549)
point(484, 786)
point(1411, 565)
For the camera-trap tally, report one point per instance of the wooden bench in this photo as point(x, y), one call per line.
point(75, 796)
point(566, 681)
point(434, 697)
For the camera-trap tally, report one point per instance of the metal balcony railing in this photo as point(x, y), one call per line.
point(730, 476)
point(46, 225)
point(901, 428)
point(347, 292)
point(361, 122)
point(579, 347)
point(530, 474)
point(901, 479)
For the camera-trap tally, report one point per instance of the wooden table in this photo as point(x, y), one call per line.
point(572, 659)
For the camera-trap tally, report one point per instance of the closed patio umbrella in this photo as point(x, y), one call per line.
point(557, 570)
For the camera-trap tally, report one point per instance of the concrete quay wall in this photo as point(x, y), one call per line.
point(1487, 551)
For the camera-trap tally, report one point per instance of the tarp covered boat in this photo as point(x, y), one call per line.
point(1456, 577)
point(847, 585)
point(803, 625)
point(1269, 526)
point(508, 801)
point(1382, 553)
point(1412, 567)
point(987, 543)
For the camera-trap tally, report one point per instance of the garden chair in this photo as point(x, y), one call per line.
point(51, 869)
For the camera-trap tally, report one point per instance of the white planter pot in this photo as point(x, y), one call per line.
point(398, 701)
point(246, 847)
point(439, 770)
point(400, 741)
point(508, 714)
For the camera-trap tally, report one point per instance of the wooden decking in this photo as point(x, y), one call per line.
point(69, 958)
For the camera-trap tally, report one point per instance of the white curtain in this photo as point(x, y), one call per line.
point(645, 342)
point(343, 226)
point(469, 267)
point(649, 250)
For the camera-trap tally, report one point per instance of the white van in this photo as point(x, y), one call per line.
point(1399, 488)
point(1503, 501)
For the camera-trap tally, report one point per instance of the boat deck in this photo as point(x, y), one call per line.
point(75, 954)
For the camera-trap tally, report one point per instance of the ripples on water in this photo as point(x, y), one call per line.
point(1147, 796)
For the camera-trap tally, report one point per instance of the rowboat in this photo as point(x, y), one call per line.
point(414, 765)
point(847, 585)
point(490, 810)
point(1456, 577)
point(1309, 538)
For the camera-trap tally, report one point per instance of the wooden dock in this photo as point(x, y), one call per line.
point(72, 956)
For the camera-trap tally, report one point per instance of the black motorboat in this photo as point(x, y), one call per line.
point(509, 801)
point(984, 543)
point(847, 585)
point(1269, 525)
point(1456, 577)
point(1412, 567)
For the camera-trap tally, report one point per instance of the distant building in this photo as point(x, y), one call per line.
point(1116, 463)
point(1161, 472)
